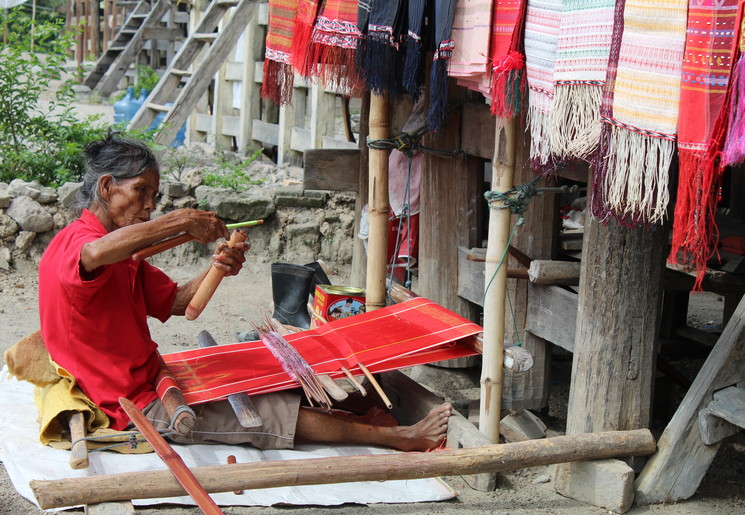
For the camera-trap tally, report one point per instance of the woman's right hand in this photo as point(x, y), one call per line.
point(205, 226)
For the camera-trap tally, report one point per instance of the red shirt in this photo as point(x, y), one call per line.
point(97, 329)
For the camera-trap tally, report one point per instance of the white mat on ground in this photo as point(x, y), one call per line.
point(26, 459)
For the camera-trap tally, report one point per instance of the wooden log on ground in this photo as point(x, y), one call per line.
point(414, 465)
point(79, 449)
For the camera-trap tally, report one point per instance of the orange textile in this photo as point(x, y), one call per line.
point(411, 333)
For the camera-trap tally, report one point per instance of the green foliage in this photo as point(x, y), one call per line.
point(147, 79)
point(232, 175)
point(39, 140)
point(175, 164)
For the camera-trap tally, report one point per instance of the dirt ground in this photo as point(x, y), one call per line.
point(528, 491)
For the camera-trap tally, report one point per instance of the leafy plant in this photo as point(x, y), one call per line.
point(175, 163)
point(39, 140)
point(232, 175)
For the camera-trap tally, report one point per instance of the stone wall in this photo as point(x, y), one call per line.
point(299, 226)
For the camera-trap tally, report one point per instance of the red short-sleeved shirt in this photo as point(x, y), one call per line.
point(97, 329)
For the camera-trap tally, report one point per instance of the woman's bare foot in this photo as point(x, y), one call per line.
point(428, 433)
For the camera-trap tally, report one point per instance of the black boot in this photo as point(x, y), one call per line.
point(319, 276)
point(290, 288)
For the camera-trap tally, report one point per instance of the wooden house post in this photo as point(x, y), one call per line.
point(617, 326)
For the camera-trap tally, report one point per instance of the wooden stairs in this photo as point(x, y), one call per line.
point(123, 50)
point(194, 67)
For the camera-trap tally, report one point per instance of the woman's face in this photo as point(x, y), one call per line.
point(132, 200)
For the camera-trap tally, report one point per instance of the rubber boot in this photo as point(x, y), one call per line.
point(319, 276)
point(290, 288)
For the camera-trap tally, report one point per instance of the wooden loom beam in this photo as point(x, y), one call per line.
point(415, 465)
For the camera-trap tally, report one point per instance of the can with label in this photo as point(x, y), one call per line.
point(335, 302)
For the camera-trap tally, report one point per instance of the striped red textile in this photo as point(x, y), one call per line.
point(708, 62)
point(411, 333)
point(278, 74)
point(507, 84)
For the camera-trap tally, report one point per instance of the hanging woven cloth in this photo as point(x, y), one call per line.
point(506, 85)
point(710, 45)
point(581, 63)
point(598, 203)
point(471, 30)
point(645, 110)
point(307, 10)
point(542, 20)
point(383, 58)
point(333, 46)
point(413, 75)
point(733, 153)
point(278, 75)
point(438, 81)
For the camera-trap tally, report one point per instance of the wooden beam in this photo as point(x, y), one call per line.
point(333, 170)
point(342, 469)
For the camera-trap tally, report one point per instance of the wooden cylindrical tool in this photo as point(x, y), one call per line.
point(210, 283)
point(182, 417)
point(162, 246)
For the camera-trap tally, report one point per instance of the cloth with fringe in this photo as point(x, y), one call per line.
point(581, 64)
point(307, 10)
point(438, 82)
point(598, 203)
point(471, 30)
point(542, 20)
point(646, 100)
point(733, 153)
point(383, 58)
point(710, 44)
point(278, 74)
point(413, 74)
point(333, 46)
point(507, 61)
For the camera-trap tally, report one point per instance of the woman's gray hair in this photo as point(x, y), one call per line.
point(118, 156)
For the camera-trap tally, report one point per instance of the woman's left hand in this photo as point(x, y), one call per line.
point(230, 260)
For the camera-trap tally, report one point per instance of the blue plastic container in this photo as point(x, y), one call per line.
point(123, 107)
point(178, 140)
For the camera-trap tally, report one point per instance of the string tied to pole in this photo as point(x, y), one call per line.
point(517, 198)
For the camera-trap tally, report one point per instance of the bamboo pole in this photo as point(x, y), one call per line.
point(341, 469)
point(503, 167)
point(377, 205)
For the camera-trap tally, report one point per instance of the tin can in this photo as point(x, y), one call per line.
point(335, 302)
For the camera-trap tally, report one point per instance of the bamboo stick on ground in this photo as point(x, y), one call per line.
point(412, 465)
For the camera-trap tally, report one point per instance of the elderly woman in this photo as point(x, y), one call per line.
point(94, 301)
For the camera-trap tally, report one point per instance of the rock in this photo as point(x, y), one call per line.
point(30, 215)
point(303, 241)
point(606, 483)
point(8, 226)
point(4, 195)
point(41, 194)
point(185, 203)
point(291, 197)
point(174, 189)
point(4, 258)
point(234, 205)
point(24, 240)
point(68, 193)
point(82, 92)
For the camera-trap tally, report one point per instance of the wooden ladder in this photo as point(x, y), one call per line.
point(216, 46)
point(115, 61)
point(713, 409)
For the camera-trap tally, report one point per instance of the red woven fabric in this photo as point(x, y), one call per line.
point(278, 74)
point(303, 30)
point(506, 57)
point(411, 333)
point(710, 45)
point(333, 46)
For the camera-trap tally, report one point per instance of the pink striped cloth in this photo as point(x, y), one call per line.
point(542, 21)
point(470, 33)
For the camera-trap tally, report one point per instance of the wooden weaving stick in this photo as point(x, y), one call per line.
point(241, 403)
point(79, 449)
point(171, 458)
point(375, 384)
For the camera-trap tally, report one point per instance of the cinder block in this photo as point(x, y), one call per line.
point(605, 483)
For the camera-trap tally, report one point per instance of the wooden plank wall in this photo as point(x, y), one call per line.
point(234, 116)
